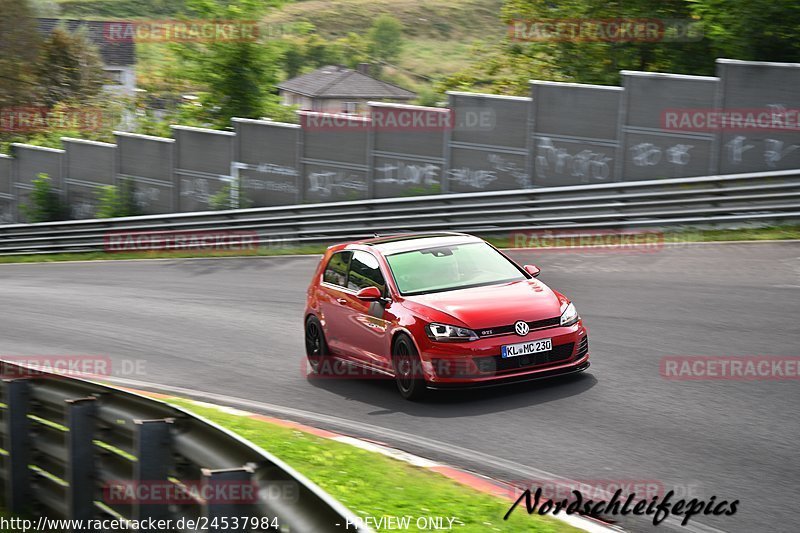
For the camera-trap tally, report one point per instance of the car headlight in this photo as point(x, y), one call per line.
point(569, 315)
point(448, 333)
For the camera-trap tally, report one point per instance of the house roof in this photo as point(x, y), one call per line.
point(340, 82)
point(120, 53)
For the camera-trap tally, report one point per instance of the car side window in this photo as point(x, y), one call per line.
point(365, 271)
point(336, 271)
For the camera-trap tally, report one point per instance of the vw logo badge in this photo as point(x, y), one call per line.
point(521, 328)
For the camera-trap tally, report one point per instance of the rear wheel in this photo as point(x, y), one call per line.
point(408, 370)
point(316, 347)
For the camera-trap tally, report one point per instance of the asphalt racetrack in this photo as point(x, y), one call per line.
point(230, 330)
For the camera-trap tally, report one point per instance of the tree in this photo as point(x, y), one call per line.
point(19, 46)
point(69, 67)
point(44, 204)
point(309, 51)
point(759, 30)
point(385, 38)
point(239, 76)
point(46, 8)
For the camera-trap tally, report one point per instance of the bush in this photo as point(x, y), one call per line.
point(116, 201)
point(222, 200)
point(385, 38)
point(44, 205)
point(226, 199)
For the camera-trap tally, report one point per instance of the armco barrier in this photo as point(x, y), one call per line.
point(740, 198)
point(66, 443)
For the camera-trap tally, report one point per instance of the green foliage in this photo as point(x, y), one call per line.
point(117, 9)
point(306, 52)
point(760, 30)
point(108, 202)
point(19, 44)
point(429, 97)
point(444, 20)
point(116, 201)
point(238, 77)
point(46, 8)
point(69, 68)
point(229, 197)
point(222, 200)
point(44, 204)
point(385, 38)
point(395, 488)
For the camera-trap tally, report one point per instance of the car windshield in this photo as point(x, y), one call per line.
point(447, 268)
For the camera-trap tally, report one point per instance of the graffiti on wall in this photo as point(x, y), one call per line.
point(649, 154)
point(497, 165)
point(328, 183)
point(196, 189)
point(402, 173)
point(774, 150)
point(587, 165)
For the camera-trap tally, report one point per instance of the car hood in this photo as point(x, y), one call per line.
point(489, 306)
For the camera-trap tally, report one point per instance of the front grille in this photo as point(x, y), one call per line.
point(506, 330)
point(497, 363)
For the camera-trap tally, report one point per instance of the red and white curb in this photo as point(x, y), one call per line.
point(469, 479)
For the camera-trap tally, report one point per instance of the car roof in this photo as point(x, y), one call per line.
point(407, 242)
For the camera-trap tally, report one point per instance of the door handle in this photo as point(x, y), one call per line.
point(341, 301)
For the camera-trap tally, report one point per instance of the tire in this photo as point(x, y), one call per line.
point(317, 350)
point(406, 364)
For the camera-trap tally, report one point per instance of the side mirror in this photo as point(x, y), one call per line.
point(369, 294)
point(533, 270)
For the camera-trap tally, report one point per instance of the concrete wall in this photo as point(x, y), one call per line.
point(562, 134)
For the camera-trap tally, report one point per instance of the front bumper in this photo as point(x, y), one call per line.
point(509, 380)
point(479, 362)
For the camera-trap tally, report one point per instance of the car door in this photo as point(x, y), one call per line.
point(366, 324)
point(333, 299)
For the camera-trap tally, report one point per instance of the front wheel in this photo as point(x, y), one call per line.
point(408, 370)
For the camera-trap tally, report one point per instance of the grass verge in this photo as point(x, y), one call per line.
point(684, 236)
point(94, 256)
point(371, 484)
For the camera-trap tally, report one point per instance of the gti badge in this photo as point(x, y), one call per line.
point(521, 328)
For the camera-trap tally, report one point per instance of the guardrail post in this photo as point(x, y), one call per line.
point(153, 450)
point(18, 489)
point(80, 455)
point(239, 494)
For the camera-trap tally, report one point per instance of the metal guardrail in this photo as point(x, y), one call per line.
point(66, 442)
point(769, 196)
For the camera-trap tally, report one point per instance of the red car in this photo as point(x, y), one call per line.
point(436, 311)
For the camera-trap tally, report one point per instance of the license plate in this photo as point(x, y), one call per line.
point(527, 348)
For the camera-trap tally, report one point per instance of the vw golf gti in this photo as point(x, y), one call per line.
point(437, 311)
